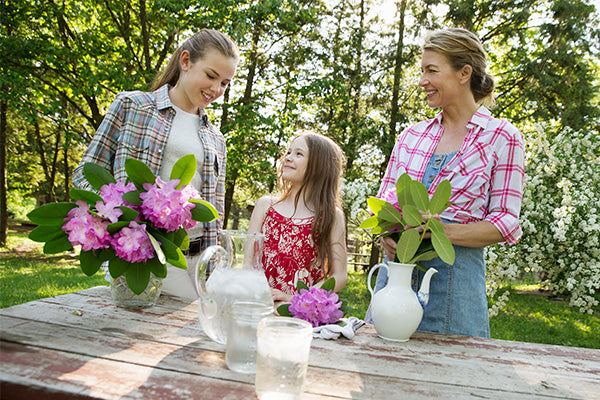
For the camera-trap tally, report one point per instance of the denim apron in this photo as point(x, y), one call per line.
point(457, 293)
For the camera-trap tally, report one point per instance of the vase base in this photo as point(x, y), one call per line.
point(394, 340)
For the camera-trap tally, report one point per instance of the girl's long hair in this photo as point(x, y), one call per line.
point(197, 46)
point(320, 190)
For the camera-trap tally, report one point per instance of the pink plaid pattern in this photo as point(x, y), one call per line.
point(486, 174)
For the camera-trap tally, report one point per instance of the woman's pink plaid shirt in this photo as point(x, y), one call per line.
point(486, 174)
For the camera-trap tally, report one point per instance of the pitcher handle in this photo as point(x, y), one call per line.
point(375, 267)
point(201, 269)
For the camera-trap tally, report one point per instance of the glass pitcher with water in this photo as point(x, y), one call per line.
point(227, 273)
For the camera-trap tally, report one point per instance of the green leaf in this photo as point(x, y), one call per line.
point(329, 284)
point(115, 227)
point(375, 204)
point(132, 197)
point(184, 170)
point(412, 216)
point(439, 200)
point(50, 214)
point(157, 249)
point(158, 269)
point(129, 214)
point(404, 198)
point(284, 310)
point(369, 223)
point(97, 176)
point(425, 256)
point(58, 245)
point(181, 239)
point(301, 285)
point(117, 267)
point(203, 211)
point(403, 183)
point(441, 243)
point(139, 173)
point(408, 244)
point(46, 233)
point(389, 213)
point(383, 227)
point(137, 276)
point(88, 196)
point(89, 262)
point(171, 252)
point(419, 195)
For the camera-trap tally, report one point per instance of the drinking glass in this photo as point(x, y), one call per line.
point(283, 347)
point(240, 352)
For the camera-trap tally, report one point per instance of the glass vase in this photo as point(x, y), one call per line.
point(124, 297)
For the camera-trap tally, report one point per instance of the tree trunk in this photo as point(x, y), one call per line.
point(3, 187)
point(391, 138)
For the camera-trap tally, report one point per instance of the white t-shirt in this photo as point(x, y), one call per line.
point(183, 139)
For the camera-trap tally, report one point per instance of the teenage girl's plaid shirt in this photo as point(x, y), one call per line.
point(486, 174)
point(137, 125)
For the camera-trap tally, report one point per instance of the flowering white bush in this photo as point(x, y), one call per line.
point(560, 220)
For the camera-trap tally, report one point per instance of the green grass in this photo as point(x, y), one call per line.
point(27, 274)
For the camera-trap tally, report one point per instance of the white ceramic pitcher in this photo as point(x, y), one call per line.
point(396, 309)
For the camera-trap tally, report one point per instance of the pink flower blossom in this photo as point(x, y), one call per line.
point(132, 243)
point(317, 306)
point(86, 229)
point(166, 207)
point(112, 194)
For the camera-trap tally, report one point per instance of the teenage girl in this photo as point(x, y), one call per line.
point(160, 126)
point(304, 225)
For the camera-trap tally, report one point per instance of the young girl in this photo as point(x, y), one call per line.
point(304, 226)
point(161, 126)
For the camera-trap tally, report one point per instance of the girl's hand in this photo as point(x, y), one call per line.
point(279, 296)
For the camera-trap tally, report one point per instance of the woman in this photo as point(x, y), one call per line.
point(304, 225)
point(482, 157)
point(161, 126)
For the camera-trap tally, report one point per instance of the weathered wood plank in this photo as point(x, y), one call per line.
point(168, 338)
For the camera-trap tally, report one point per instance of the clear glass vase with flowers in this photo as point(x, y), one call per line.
point(136, 226)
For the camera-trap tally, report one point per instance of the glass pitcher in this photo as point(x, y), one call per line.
point(227, 273)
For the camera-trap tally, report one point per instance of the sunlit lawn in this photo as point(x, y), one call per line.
point(27, 274)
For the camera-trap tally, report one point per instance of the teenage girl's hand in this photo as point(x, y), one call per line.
point(389, 247)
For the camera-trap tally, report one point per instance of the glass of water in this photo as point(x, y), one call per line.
point(283, 347)
point(240, 351)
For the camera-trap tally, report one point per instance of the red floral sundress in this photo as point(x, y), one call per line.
point(289, 252)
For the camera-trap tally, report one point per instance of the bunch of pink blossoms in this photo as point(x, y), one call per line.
point(112, 194)
point(317, 306)
point(131, 243)
point(167, 207)
point(86, 229)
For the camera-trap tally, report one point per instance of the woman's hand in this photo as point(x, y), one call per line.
point(389, 247)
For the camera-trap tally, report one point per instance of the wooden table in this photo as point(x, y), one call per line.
point(80, 346)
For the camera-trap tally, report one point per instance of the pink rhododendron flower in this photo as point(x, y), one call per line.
point(86, 229)
point(317, 306)
point(112, 194)
point(166, 207)
point(132, 243)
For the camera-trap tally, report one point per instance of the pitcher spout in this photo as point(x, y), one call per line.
point(423, 294)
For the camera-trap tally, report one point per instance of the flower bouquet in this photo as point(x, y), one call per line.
point(407, 207)
point(135, 226)
point(316, 305)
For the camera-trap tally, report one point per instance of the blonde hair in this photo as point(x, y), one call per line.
point(320, 189)
point(462, 47)
point(196, 46)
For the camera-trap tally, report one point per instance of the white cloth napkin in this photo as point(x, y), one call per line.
point(346, 327)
